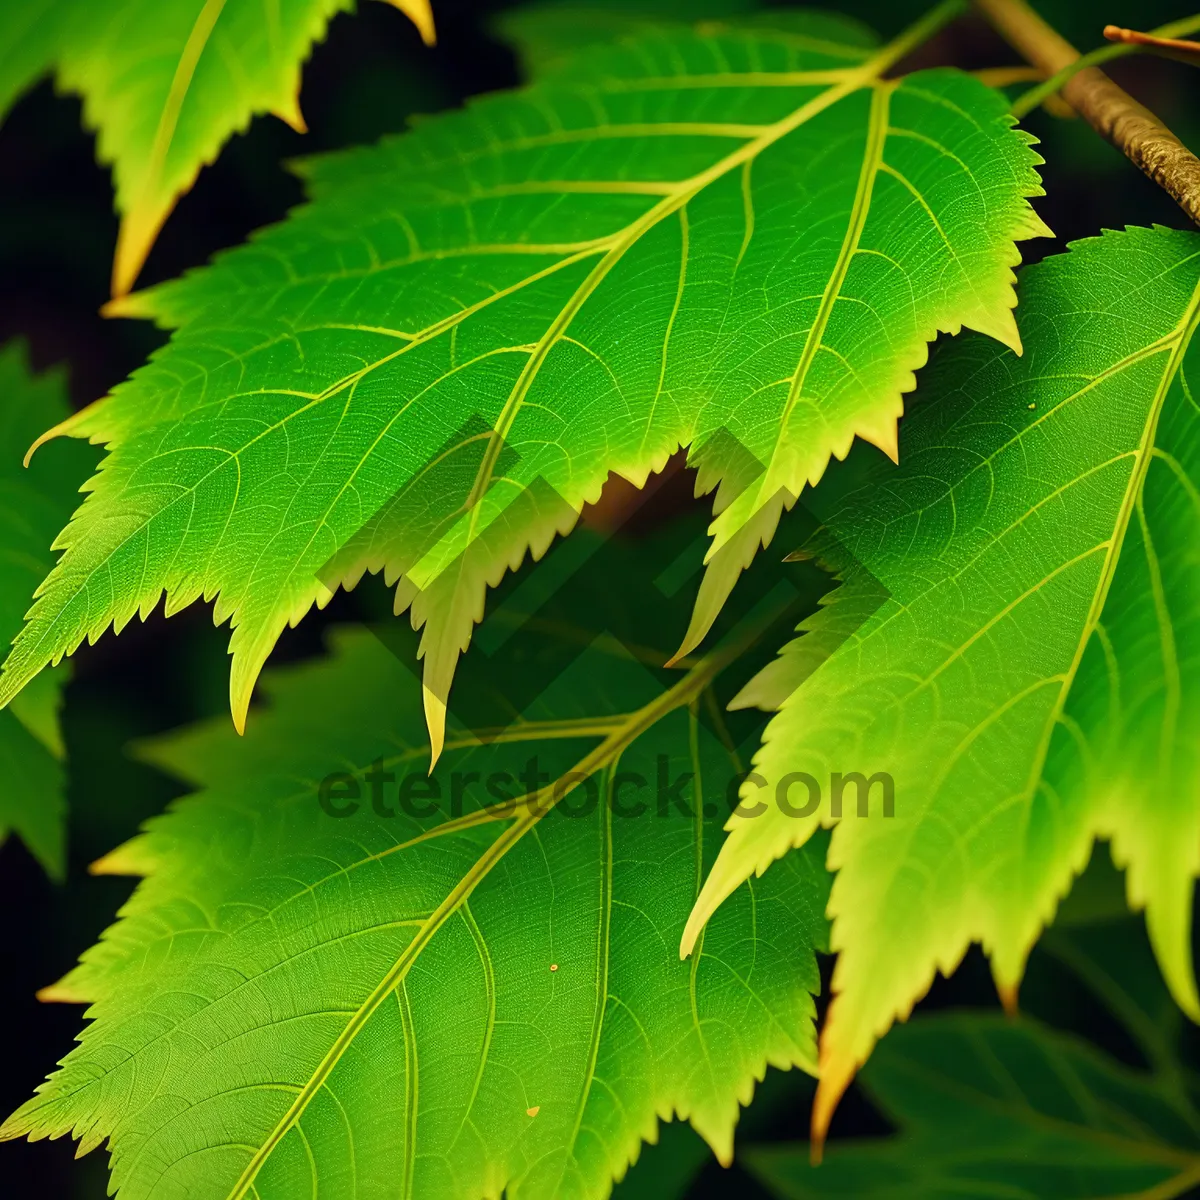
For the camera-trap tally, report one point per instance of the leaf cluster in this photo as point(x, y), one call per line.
point(405, 934)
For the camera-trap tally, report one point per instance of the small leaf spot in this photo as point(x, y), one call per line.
point(533, 1112)
point(554, 966)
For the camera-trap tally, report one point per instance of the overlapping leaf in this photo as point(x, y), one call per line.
point(549, 36)
point(1034, 679)
point(451, 999)
point(734, 240)
point(33, 504)
point(28, 32)
point(166, 83)
point(989, 1107)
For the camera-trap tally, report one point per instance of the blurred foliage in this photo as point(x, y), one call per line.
point(988, 1106)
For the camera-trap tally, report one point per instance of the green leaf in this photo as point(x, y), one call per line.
point(689, 239)
point(166, 83)
point(549, 36)
point(29, 30)
point(484, 996)
point(1034, 680)
point(34, 503)
point(987, 1107)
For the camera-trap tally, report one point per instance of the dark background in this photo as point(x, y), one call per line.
point(57, 232)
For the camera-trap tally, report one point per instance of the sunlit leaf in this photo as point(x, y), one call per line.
point(166, 83)
point(740, 241)
point(455, 998)
point(1033, 681)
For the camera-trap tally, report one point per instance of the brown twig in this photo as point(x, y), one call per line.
point(1176, 48)
point(1109, 109)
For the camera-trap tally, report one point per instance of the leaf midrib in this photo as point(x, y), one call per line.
point(1177, 342)
point(602, 756)
point(676, 199)
point(164, 135)
point(627, 238)
point(877, 135)
point(1139, 355)
point(613, 249)
point(1133, 492)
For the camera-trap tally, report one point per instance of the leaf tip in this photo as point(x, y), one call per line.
point(12, 1129)
point(697, 919)
point(289, 113)
point(886, 438)
point(11, 684)
point(421, 15)
point(1169, 927)
point(1002, 326)
point(115, 862)
point(717, 888)
point(60, 993)
point(119, 306)
point(703, 616)
point(139, 228)
point(435, 720)
point(62, 429)
point(836, 1076)
point(1008, 993)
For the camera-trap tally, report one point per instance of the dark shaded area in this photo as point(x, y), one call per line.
point(57, 231)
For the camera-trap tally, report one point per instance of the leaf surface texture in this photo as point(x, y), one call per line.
point(445, 1005)
point(1034, 678)
point(166, 83)
point(732, 240)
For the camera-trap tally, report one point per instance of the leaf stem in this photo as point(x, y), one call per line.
point(1028, 101)
point(1110, 110)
